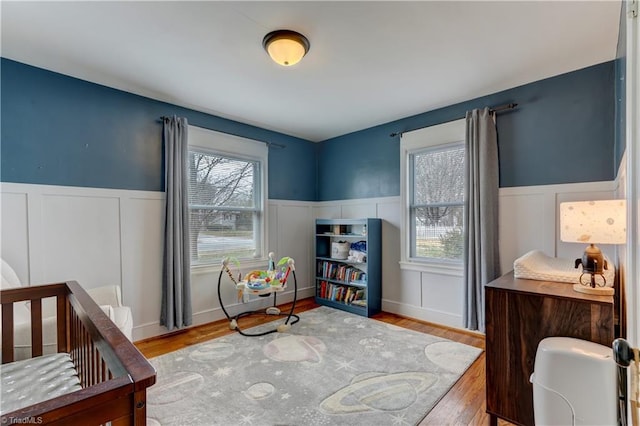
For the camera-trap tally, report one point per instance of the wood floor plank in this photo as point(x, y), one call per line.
point(464, 404)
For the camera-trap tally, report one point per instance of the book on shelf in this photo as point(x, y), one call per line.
point(342, 293)
point(362, 281)
point(341, 272)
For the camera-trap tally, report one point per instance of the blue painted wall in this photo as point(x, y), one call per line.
point(561, 132)
point(58, 130)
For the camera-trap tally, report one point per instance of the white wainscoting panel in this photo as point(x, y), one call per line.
point(295, 231)
point(405, 291)
point(327, 210)
point(389, 210)
point(272, 218)
point(106, 236)
point(359, 209)
point(81, 239)
point(442, 297)
point(94, 236)
point(15, 232)
point(529, 219)
point(142, 236)
point(527, 222)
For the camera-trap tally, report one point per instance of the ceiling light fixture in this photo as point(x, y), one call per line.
point(285, 47)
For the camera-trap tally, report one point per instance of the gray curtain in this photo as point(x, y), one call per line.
point(176, 275)
point(481, 255)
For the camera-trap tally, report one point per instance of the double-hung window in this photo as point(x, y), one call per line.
point(226, 186)
point(433, 194)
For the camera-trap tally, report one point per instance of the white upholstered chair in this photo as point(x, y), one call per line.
point(108, 297)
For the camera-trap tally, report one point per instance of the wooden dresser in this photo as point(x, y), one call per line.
point(519, 314)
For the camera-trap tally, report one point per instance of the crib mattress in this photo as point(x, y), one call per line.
point(34, 380)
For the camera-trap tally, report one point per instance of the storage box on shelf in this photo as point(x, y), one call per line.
point(349, 264)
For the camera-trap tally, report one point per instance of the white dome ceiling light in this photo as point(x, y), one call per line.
point(286, 47)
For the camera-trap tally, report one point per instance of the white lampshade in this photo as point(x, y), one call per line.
point(286, 47)
point(594, 222)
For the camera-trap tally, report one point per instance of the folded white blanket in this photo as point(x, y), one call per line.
point(34, 380)
point(536, 265)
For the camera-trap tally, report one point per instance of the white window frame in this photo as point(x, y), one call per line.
point(227, 145)
point(452, 132)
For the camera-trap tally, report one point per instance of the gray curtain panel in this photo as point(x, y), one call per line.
point(481, 255)
point(175, 311)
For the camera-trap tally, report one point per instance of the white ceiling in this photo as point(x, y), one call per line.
point(369, 63)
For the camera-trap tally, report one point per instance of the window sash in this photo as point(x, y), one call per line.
point(446, 242)
point(223, 237)
point(233, 238)
point(436, 241)
point(256, 176)
point(457, 146)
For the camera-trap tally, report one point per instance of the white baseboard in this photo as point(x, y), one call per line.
point(430, 315)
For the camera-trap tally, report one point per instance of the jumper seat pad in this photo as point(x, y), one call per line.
point(34, 380)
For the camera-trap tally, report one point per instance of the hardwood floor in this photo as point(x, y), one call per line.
point(464, 404)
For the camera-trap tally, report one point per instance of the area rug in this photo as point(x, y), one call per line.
point(331, 368)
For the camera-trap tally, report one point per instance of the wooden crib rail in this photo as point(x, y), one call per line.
point(114, 375)
point(95, 341)
point(33, 294)
point(96, 405)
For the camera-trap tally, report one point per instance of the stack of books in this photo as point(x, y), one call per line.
point(341, 293)
point(341, 272)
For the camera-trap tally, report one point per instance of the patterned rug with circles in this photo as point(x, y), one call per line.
point(331, 368)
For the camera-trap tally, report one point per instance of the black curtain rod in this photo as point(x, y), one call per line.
point(269, 144)
point(497, 109)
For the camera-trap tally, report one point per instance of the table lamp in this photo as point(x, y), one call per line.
point(601, 222)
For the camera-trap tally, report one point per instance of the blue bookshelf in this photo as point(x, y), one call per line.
point(350, 283)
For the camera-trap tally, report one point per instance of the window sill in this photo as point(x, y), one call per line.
point(453, 269)
point(245, 266)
